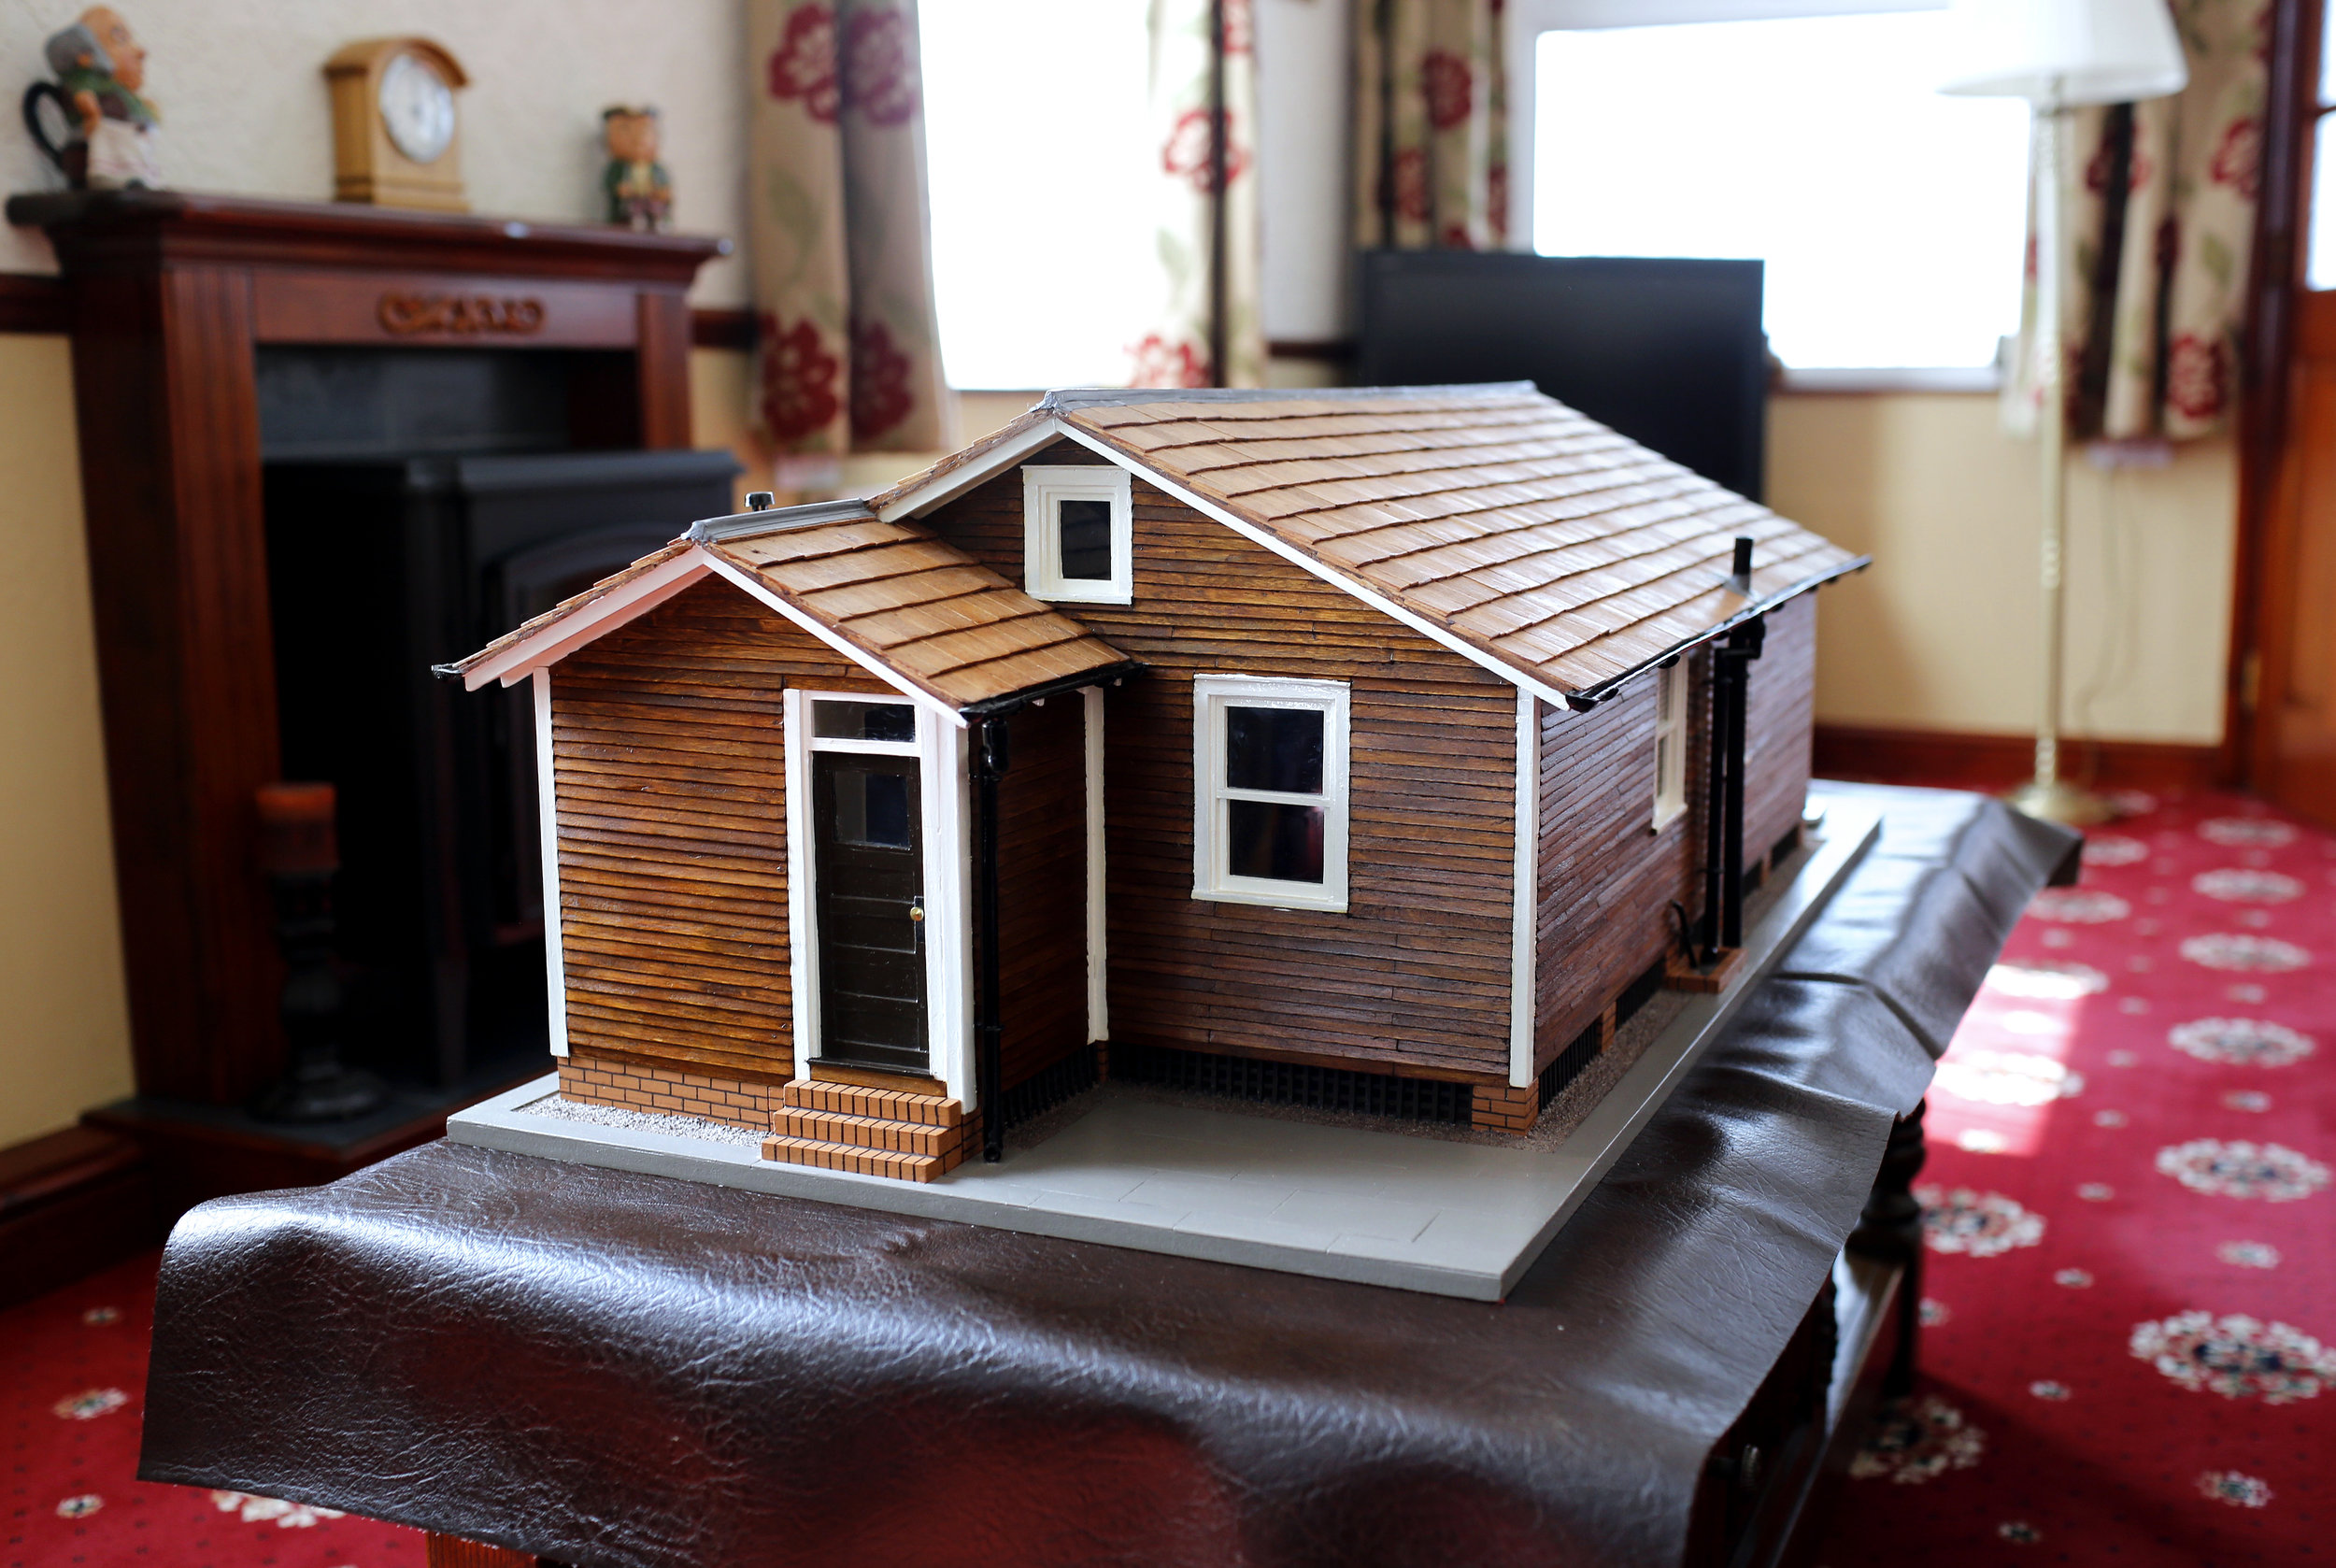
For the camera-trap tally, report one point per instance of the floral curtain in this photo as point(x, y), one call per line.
point(1432, 125)
point(2160, 202)
point(1206, 329)
point(847, 356)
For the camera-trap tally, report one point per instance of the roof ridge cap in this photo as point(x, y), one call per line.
point(776, 520)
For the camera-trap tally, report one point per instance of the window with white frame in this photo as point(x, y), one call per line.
point(1079, 534)
point(1892, 219)
point(1670, 742)
point(1269, 775)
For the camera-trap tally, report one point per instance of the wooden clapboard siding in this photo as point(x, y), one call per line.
point(669, 765)
point(1042, 888)
point(1779, 722)
point(1415, 977)
point(1608, 880)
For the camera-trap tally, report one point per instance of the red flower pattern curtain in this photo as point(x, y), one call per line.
point(2161, 201)
point(1432, 125)
point(848, 358)
point(1207, 328)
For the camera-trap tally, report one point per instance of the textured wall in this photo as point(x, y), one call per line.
point(65, 1022)
point(1941, 633)
point(240, 85)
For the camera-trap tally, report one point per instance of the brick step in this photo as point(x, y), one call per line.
point(845, 1157)
point(864, 1131)
point(880, 1105)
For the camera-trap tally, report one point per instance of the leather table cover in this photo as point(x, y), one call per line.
point(607, 1368)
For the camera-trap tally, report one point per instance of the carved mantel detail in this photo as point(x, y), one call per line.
point(404, 315)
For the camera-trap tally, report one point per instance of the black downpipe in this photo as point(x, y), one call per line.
point(1723, 861)
point(1715, 815)
point(989, 764)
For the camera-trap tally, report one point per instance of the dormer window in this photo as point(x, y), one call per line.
point(1077, 534)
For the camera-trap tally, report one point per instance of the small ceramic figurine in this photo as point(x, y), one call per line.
point(640, 192)
point(94, 125)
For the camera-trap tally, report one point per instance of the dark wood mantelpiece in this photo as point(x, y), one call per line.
point(168, 296)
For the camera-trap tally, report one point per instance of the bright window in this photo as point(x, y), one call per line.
point(1077, 534)
point(1036, 138)
point(1892, 219)
point(1670, 742)
point(1269, 764)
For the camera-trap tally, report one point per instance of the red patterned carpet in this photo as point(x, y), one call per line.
point(2131, 1350)
point(2131, 1320)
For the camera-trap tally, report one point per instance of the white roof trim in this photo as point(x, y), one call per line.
point(611, 610)
point(762, 594)
point(1297, 557)
point(948, 487)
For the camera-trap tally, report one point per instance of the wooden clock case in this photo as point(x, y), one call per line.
point(367, 166)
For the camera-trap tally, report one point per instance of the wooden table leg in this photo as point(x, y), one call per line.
point(1892, 1228)
point(452, 1551)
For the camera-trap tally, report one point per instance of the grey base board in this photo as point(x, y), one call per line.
point(1342, 1202)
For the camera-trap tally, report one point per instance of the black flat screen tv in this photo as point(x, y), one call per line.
point(1670, 352)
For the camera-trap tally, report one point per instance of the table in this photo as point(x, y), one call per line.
point(599, 1367)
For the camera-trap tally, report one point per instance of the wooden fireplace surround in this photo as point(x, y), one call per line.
point(169, 294)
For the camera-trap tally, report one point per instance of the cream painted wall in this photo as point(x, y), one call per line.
point(240, 85)
point(64, 1025)
point(1942, 633)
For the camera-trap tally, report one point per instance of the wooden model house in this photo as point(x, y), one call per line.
point(1349, 746)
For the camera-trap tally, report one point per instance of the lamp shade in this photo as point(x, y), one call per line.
point(2063, 54)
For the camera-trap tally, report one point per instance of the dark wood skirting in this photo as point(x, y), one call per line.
point(33, 301)
point(1997, 761)
point(71, 1203)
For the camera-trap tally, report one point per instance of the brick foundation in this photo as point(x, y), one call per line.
point(635, 1086)
point(1504, 1108)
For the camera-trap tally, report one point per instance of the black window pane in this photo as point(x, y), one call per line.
point(872, 809)
point(864, 721)
point(1275, 748)
point(1277, 842)
point(1085, 527)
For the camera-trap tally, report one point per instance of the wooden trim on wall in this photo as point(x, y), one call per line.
point(34, 302)
point(1959, 760)
point(722, 329)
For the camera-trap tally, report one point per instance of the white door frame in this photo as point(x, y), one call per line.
point(939, 748)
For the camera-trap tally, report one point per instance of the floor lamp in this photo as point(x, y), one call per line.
point(2059, 55)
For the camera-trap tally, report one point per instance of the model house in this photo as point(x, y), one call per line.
point(1359, 737)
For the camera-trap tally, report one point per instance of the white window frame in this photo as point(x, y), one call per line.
point(1671, 744)
point(1212, 694)
point(1043, 486)
point(940, 750)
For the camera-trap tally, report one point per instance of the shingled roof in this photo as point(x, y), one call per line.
point(910, 607)
point(1524, 534)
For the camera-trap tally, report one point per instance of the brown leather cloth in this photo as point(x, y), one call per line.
point(615, 1369)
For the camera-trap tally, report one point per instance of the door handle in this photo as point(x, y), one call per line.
point(917, 918)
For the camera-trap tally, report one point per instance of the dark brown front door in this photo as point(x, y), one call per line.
point(868, 871)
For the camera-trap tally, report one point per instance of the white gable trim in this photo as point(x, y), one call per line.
point(759, 591)
point(603, 615)
point(1297, 557)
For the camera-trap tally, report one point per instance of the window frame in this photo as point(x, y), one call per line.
point(1672, 692)
point(1211, 881)
point(1043, 486)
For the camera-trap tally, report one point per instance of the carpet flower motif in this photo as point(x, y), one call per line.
point(80, 1506)
point(2243, 1042)
point(2078, 906)
point(2262, 832)
point(2073, 1280)
point(2237, 950)
point(2044, 981)
point(2252, 1101)
point(259, 1510)
point(2236, 1356)
point(2248, 1254)
point(2002, 1077)
point(2110, 849)
point(2241, 885)
point(89, 1404)
point(1980, 1225)
point(1917, 1442)
point(99, 1317)
point(2019, 1532)
point(2229, 1485)
point(2045, 1388)
point(2240, 1169)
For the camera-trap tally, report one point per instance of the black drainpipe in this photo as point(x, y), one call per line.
point(1723, 857)
point(989, 764)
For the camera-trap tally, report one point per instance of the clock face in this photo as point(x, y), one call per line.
point(417, 109)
